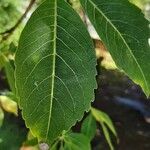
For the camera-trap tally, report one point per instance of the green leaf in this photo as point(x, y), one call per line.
point(12, 133)
point(125, 32)
point(105, 122)
point(1, 117)
point(89, 127)
point(9, 69)
point(55, 70)
point(3, 60)
point(107, 136)
point(104, 118)
point(55, 146)
point(12, 48)
point(76, 141)
point(31, 142)
point(10, 95)
point(8, 104)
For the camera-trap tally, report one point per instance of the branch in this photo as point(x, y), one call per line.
point(8, 32)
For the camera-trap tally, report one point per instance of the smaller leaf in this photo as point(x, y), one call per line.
point(106, 124)
point(55, 145)
point(8, 105)
point(12, 48)
point(31, 142)
point(12, 133)
point(104, 118)
point(1, 117)
point(89, 127)
point(76, 141)
point(9, 69)
point(10, 95)
point(107, 136)
point(3, 60)
point(61, 146)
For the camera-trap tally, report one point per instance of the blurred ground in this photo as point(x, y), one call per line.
point(133, 126)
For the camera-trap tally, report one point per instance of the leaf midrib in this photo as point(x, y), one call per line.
point(128, 47)
point(53, 67)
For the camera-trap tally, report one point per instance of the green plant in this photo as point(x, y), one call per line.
point(55, 67)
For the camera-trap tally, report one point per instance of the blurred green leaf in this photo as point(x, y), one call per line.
point(9, 69)
point(8, 105)
point(89, 127)
point(76, 141)
point(11, 96)
point(10, 11)
point(31, 140)
point(1, 117)
point(12, 48)
point(55, 146)
point(3, 60)
point(104, 118)
point(105, 122)
point(107, 135)
point(12, 133)
point(138, 3)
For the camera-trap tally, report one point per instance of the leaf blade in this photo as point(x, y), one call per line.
point(125, 32)
point(105, 119)
point(106, 124)
point(75, 141)
point(55, 64)
point(88, 127)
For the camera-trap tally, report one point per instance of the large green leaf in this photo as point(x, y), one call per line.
point(55, 70)
point(125, 32)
